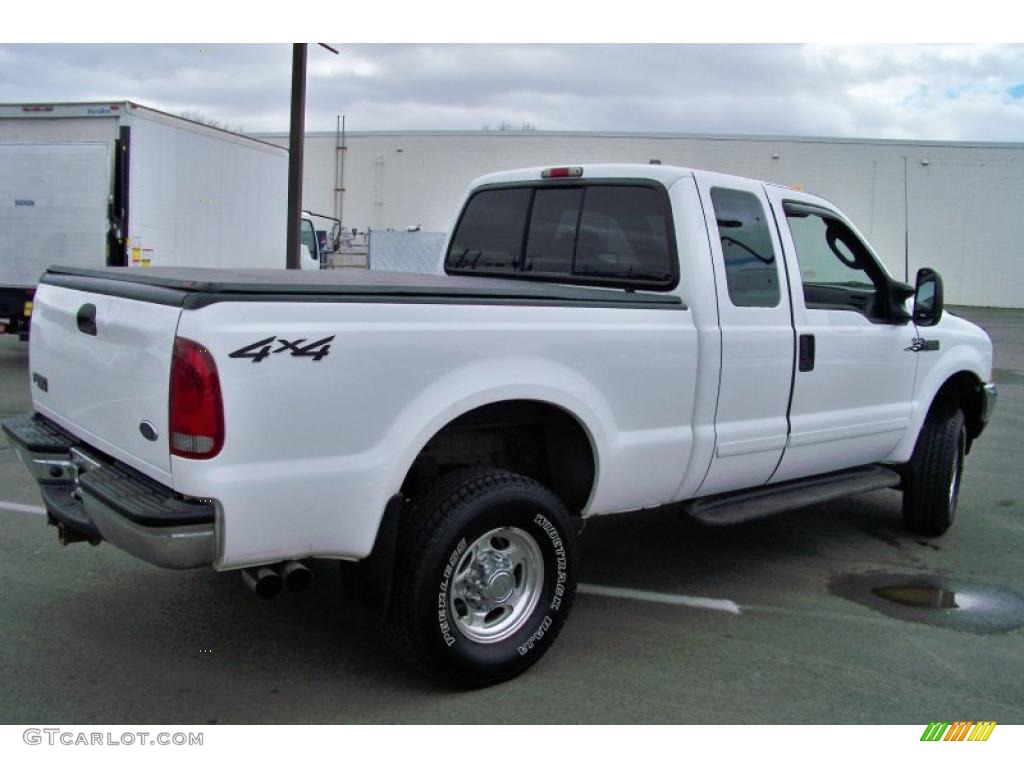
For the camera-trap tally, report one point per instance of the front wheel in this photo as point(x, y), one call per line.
point(485, 577)
point(931, 485)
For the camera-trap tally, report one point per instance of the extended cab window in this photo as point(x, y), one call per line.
point(618, 234)
point(751, 273)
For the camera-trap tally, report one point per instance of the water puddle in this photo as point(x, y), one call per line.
point(917, 596)
point(937, 600)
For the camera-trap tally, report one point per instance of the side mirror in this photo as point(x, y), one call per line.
point(927, 297)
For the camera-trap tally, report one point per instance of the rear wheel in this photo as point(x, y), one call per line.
point(931, 487)
point(485, 577)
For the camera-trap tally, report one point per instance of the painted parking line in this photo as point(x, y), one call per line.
point(28, 509)
point(727, 606)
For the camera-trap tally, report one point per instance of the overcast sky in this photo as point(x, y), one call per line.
point(968, 92)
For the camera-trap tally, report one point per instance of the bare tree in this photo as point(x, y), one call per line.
point(198, 117)
point(508, 125)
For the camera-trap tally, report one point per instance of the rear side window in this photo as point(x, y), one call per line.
point(618, 234)
point(751, 274)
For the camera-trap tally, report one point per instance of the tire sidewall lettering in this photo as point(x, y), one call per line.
point(561, 560)
point(443, 617)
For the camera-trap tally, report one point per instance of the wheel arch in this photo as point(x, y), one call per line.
point(531, 436)
point(373, 576)
point(960, 385)
point(963, 388)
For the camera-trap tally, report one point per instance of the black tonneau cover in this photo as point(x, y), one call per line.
point(192, 287)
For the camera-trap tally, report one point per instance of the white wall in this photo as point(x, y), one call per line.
point(965, 201)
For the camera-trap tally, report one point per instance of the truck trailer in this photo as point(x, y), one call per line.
point(122, 185)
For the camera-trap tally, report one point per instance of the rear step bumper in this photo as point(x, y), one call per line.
point(102, 500)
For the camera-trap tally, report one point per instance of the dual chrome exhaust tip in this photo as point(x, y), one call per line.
point(267, 581)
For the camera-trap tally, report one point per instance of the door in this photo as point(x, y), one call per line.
point(54, 208)
point(855, 376)
point(756, 334)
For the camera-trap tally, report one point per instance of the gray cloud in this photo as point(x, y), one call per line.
point(927, 91)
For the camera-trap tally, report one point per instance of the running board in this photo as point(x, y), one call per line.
point(741, 506)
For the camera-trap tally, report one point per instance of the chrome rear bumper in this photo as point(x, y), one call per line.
point(100, 499)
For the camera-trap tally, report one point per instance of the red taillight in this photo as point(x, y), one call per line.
point(561, 173)
point(196, 408)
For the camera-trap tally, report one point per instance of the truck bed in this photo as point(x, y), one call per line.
point(192, 288)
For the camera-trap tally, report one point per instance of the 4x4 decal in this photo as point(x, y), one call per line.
point(260, 350)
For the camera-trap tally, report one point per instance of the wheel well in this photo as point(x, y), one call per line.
point(964, 389)
point(531, 438)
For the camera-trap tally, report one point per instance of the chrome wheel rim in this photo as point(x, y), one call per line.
point(496, 585)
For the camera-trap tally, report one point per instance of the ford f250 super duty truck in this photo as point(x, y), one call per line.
point(606, 338)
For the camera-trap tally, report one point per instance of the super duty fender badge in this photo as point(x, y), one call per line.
point(918, 344)
point(262, 349)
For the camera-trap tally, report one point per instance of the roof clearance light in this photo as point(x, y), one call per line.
point(561, 173)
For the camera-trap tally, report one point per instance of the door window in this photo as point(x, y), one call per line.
point(834, 263)
point(308, 237)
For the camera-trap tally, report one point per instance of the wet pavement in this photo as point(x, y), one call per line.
point(937, 600)
point(831, 614)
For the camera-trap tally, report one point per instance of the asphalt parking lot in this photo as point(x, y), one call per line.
point(90, 635)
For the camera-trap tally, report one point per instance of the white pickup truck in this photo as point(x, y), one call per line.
point(607, 338)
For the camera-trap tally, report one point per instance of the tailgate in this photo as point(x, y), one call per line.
point(100, 368)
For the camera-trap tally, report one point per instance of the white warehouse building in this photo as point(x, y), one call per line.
point(955, 206)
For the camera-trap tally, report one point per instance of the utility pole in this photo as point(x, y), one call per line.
point(296, 141)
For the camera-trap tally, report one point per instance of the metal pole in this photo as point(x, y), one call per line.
point(337, 159)
point(295, 145)
point(341, 192)
point(906, 221)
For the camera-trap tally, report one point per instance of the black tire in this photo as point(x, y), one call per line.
point(456, 513)
point(931, 481)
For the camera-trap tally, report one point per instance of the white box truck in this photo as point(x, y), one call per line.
point(119, 184)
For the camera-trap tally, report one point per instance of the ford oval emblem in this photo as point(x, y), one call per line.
point(148, 431)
